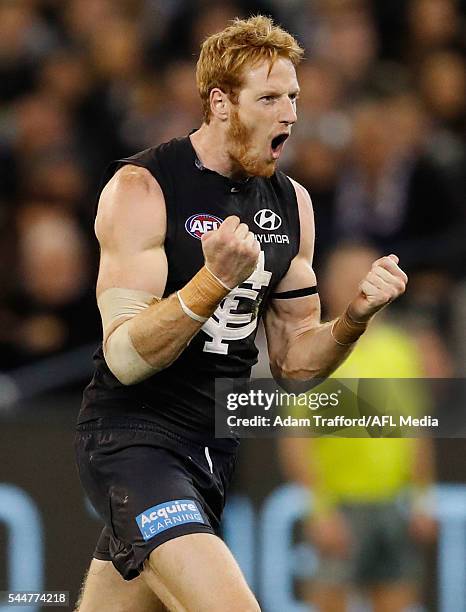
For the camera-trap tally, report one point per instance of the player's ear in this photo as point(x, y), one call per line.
point(219, 104)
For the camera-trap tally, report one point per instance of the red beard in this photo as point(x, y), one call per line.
point(240, 141)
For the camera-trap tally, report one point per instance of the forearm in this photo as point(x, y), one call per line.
point(302, 348)
point(318, 351)
point(313, 354)
point(152, 336)
point(162, 332)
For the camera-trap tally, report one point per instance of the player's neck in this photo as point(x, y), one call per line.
point(210, 144)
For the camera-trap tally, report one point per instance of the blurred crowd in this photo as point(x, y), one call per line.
point(379, 143)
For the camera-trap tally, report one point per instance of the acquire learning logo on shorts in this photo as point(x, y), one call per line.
point(200, 223)
point(166, 515)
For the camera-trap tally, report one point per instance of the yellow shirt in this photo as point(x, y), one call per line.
point(368, 469)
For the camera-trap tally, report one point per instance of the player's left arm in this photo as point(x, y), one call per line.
point(300, 346)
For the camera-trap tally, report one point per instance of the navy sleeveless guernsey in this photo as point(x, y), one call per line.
point(180, 398)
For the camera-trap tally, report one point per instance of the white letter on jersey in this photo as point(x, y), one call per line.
point(219, 326)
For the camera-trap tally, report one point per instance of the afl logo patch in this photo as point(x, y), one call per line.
point(201, 223)
point(266, 219)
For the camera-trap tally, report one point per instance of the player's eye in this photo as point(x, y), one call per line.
point(268, 99)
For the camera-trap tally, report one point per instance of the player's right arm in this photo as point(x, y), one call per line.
point(143, 333)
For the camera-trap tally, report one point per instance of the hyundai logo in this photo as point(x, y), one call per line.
point(266, 219)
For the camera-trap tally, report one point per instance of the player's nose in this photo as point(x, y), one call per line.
point(288, 112)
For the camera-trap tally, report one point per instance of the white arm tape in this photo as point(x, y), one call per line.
point(189, 312)
point(125, 363)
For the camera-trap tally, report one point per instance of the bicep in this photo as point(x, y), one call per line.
point(131, 226)
point(300, 274)
point(286, 318)
point(143, 271)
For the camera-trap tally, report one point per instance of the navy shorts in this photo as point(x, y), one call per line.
point(382, 551)
point(149, 486)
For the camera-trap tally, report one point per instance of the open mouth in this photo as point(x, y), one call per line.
point(277, 145)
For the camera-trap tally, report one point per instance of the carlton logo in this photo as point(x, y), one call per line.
point(266, 219)
point(201, 223)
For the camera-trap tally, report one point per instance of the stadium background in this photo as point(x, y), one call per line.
point(86, 81)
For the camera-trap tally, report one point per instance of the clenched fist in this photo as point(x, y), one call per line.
point(231, 251)
point(384, 283)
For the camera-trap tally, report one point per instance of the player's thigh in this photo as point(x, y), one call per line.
point(201, 574)
point(104, 590)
